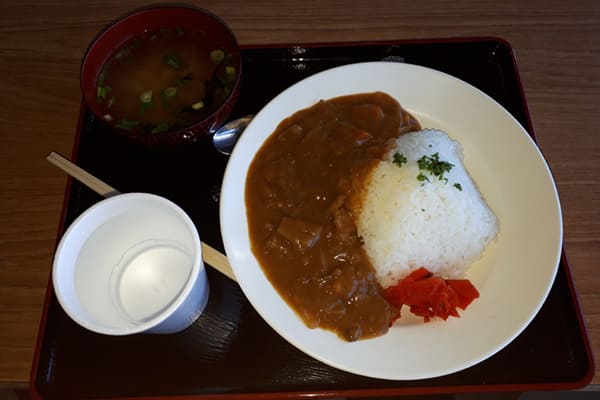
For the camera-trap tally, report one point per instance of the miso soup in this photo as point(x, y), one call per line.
point(164, 80)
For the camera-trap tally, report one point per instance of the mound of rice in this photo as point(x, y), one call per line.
point(407, 223)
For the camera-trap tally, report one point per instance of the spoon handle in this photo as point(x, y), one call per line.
point(210, 255)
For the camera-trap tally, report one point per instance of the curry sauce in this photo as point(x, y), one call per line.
point(302, 190)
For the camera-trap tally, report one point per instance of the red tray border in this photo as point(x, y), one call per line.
point(585, 380)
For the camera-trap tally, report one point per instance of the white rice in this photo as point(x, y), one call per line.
point(406, 223)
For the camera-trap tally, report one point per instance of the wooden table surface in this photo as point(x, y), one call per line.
point(557, 45)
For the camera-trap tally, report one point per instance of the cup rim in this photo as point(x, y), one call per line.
point(197, 265)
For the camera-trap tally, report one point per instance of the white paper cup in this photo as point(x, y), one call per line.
point(131, 263)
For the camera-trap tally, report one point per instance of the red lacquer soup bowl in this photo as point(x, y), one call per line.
point(163, 75)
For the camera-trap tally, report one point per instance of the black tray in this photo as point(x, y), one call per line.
point(230, 350)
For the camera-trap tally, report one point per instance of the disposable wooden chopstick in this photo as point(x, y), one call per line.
point(210, 255)
point(217, 260)
point(81, 175)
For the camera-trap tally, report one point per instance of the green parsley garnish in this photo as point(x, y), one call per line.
point(422, 177)
point(434, 166)
point(458, 186)
point(172, 60)
point(399, 159)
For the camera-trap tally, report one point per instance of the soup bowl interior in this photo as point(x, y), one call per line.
point(213, 31)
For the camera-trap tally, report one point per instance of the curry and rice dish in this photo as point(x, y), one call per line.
point(344, 210)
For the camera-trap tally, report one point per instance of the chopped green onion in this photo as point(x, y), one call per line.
point(230, 70)
point(127, 124)
point(217, 56)
point(160, 128)
point(171, 91)
point(102, 92)
point(183, 80)
point(227, 79)
point(121, 55)
point(146, 101)
point(146, 97)
point(197, 106)
point(145, 106)
point(101, 77)
point(172, 60)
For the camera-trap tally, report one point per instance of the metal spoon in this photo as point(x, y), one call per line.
point(225, 138)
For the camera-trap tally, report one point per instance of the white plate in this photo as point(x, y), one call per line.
point(513, 277)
